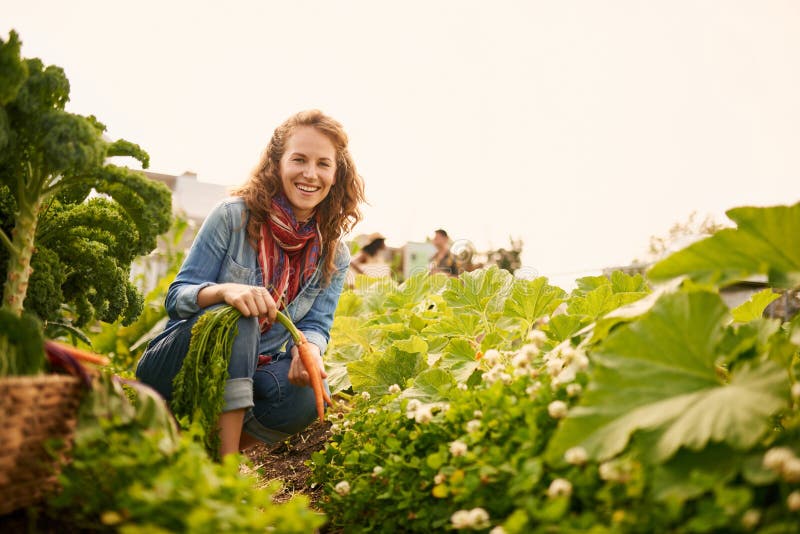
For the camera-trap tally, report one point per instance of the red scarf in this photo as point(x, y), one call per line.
point(288, 253)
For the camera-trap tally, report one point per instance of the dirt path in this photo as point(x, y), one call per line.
point(286, 462)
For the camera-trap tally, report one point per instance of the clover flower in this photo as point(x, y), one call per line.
point(557, 409)
point(576, 456)
point(458, 448)
point(342, 488)
point(560, 487)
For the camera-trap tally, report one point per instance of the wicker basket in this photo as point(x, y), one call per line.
point(35, 410)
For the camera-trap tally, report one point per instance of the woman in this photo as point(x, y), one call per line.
point(274, 245)
point(369, 261)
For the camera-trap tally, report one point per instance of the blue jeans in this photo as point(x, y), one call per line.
point(275, 408)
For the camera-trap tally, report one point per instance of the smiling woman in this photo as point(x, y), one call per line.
point(274, 245)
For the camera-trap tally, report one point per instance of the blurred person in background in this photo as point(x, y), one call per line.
point(443, 261)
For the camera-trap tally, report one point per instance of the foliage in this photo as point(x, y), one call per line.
point(125, 344)
point(384, 335)
point(198, 390)
point(66, 250)
point(507, 259)
point(613, 409)
point(21, 344)
point(132, 472)
point(681, 234)
point(765, 242)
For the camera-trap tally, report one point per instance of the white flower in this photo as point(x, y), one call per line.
point(477, 414)
point(520, 360)
point(423, 415)
point(438, 479)
point(335, 428)
point(372, 411)
point(461, 519)
point(530, 351)
point(559, 487)
point(791, 471)
point(776, 458)
point(581, 361)
point(537, 337)
point(576, 456)
point(458, 448)
point(462, 387)
point(793, 501)
point(610, 471)
point(566, 376)
point(751, 518)
point(346, 424)
point(533, 389)
point(412, 406)
point(796, 390)
point(492, 357)
point(394, 388)
point(365, 395)
point(568, 353)
point(473, 426)
point(342, 488)
point(377, 470)
point(557, 409)
point(479, 518)
point(573, 390)
point(505, 377)
point(554, 366)
point(498, 530)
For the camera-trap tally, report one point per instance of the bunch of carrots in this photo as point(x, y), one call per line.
point(198, 388)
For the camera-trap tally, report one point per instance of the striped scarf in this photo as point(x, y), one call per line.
point(288, 253)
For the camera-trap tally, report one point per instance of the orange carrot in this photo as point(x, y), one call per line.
point(309, 361)
point(79, 354)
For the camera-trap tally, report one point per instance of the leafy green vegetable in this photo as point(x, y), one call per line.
point(198, 390)
point(754, 307)
point(659, 374)
point(766, 241)
point(132, 472)
point(58, 245)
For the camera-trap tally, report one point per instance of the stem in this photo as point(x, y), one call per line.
point(7, 243)
point(297, 335)
point(19, 264)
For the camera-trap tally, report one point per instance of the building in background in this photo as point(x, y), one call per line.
point(193, 201)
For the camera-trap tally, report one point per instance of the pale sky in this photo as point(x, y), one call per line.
point(583, 127)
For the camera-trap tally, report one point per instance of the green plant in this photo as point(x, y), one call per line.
point(612, 409)
point(59, 245)
point(132, 472)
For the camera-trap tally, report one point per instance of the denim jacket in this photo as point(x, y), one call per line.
point(221, 253)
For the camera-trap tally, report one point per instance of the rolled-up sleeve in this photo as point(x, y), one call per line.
point(202, 264)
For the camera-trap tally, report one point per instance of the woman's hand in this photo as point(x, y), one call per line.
point(297, 371)
point(251, 301)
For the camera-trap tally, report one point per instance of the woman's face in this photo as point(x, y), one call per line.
point(307, 169)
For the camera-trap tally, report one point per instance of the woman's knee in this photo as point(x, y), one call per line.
point(244, 352)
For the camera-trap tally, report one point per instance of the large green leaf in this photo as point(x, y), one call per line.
point(376, 372)
point(754, 308)
point(483, 291)
point(459, 357)
point(533, 299)
point(659, 374)
point(766, 241)
point(431, 385)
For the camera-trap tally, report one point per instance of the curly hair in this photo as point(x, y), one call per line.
point(336, 214)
